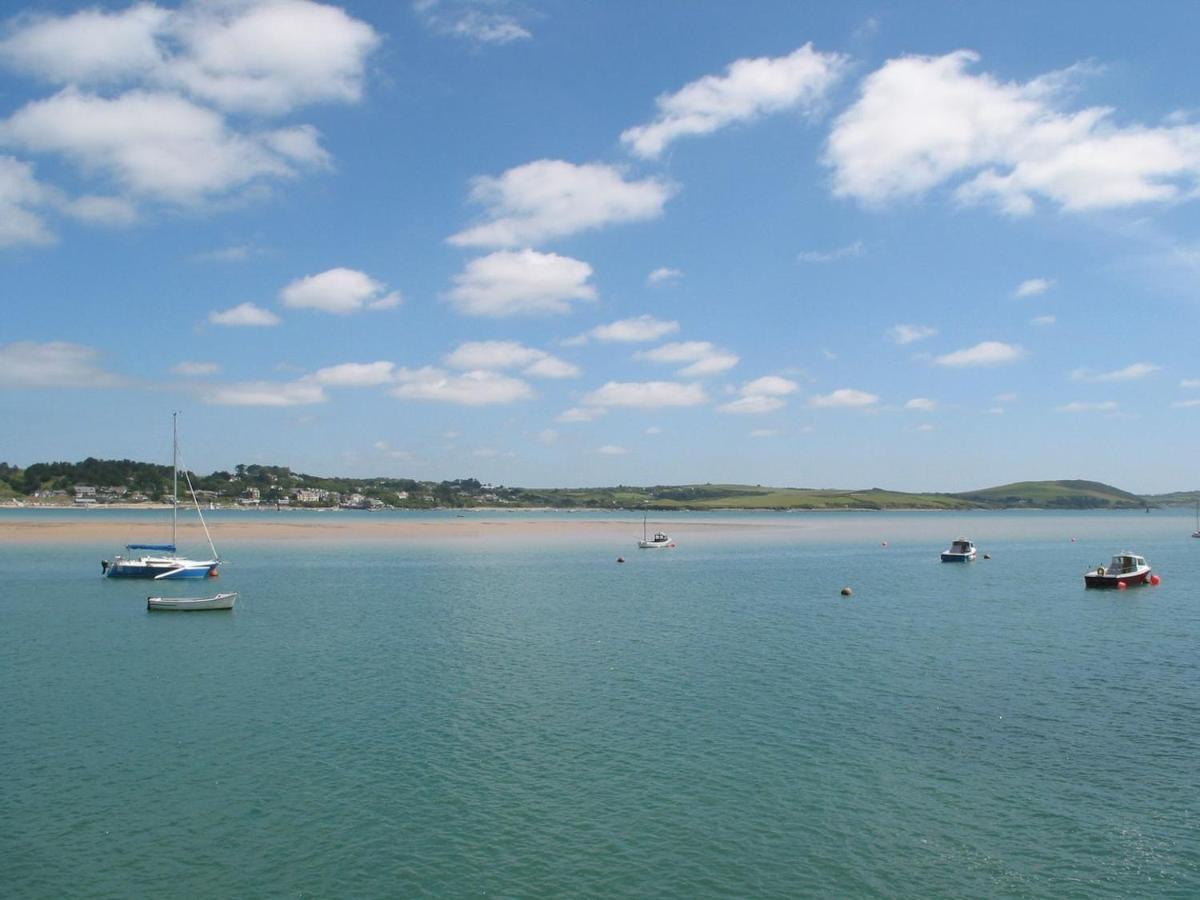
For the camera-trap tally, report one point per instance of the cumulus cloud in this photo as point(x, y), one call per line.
point(845, 397)
point(762, 395)
point(195, 369)
point(475, 388)
point(244, 314)
point(1190, 383)
point(159, 145)
point(1031, 287)
point(549, 199)
point(340, 291)
point(639, 329)
point(472, 20)
point(21, 195)
point(749, 89)
point(1043, 320)
point(921, 122)
point(909, 334)
point(53, 364)
point(1129, 373)
point(510, 355)
point(354, 374)
point(921, 404)
point(259, 56)
point(763, 433)
point(702, 357)
point(266, 393)
point(612, 450)
point(987, 353)
point(524, 282)
point(849, 251)
point(646, 394)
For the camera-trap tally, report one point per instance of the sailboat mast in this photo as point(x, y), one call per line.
point(174, 477)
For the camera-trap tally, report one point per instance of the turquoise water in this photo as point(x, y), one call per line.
point(520, 720)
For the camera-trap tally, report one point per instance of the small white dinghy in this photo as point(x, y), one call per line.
point(217, 601)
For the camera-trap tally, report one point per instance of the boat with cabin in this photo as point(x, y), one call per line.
point(162, 561)
point(1126, 569)
point(660, 541)
point(960, 550)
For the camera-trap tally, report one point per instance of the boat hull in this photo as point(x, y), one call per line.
point(162, 570)
point(184, 604)
point(1094, 580)
point(958, 557)
point(655, 545)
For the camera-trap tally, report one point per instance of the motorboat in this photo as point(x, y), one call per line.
point(217, 601)
point(1126, 569)
point(660, 541)
point(960, 550)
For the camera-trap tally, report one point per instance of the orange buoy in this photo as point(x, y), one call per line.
point(1121, 585)
point(1155, 580)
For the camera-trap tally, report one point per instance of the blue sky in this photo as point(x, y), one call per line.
point(918, 246)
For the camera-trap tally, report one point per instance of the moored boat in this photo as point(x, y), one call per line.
point(960, 550)
point(217, 601)
point(1125, 569)
point(660, 541)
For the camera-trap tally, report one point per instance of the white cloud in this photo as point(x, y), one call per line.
point(1033, 286)
point(763, 433)
point(926, 427)
point(52, 364)
point(987, 353)
point(763, 395)
point(354, 374)
point(260, 56)
point(845, 397)
point(1129, 373)
point(1186, 404)
point(750, 88)
point(663, 275)
point(581, 414)
point(340, 291)
point(1081, 406)
point(549, 199)
point(478, 22)
point(474, 388)
point(908, 334)
point(921, 404)
point(637, 330)
point(244, 314)
point(703, 357)
point(612, 450)
point(509, 355)
point(1043, 320)
point(159, 145)
point(924, 121)
point(849, 251)
point(653, 430)
point(646, 394)
point(20, 196)
point(266, 393)
point(195, 369)
point(547, 436)
point(97, 210)
point(1190, 383)
point(508, 283)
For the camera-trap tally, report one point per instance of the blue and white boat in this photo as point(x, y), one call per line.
point(960, 550)
point(162, 561)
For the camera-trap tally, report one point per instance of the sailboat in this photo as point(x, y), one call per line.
point(1196, 533)
point(659, 542)
point(162, 561)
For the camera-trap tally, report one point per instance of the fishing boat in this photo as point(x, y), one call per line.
point(162, 561)
point(1126, 569)
point(660, 541)
point(217, 601)
point(1196, 533)
point(961, 550)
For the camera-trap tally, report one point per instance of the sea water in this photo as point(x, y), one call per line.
point(517, 718)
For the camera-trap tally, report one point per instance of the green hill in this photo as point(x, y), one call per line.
point(1056, 495)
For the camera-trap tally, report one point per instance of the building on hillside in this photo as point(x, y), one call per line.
point(83, 491)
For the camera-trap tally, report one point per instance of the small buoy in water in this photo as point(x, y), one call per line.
point(1155, 580)
point(1073, 540)
point(847, 592)
point(620, 559)
point(987, 556)
point(883, 543)
point(1121, 585)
